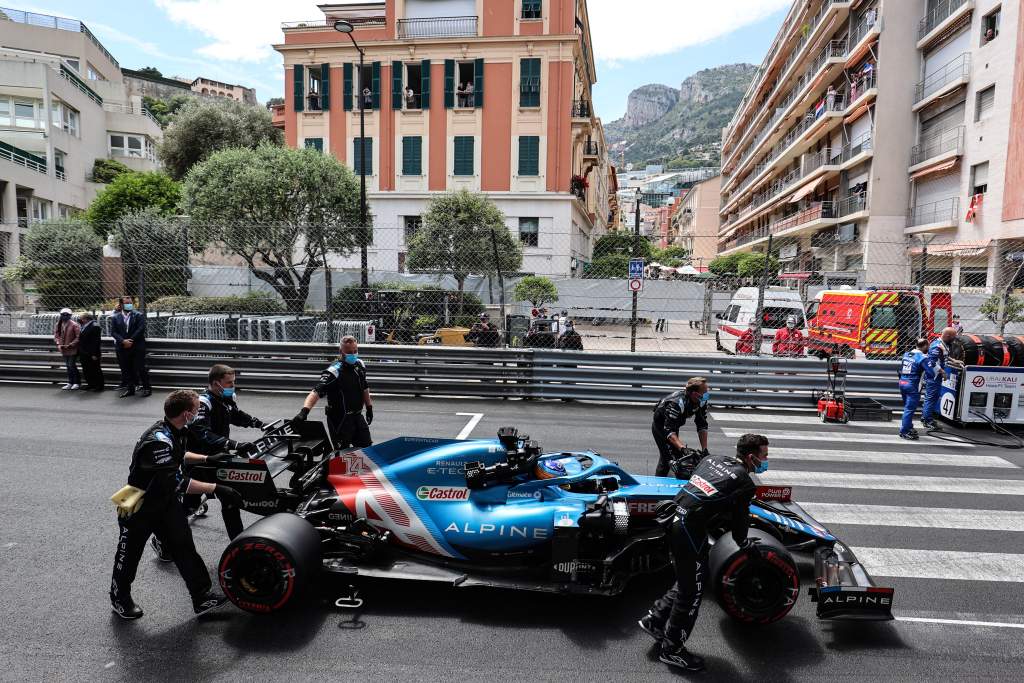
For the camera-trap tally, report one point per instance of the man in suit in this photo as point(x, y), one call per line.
point(128, 328)
point(89, 352)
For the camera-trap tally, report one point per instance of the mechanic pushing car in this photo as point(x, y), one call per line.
point(671, 413)
point(717, 494)
point(935, 373)
point(344, 385)
point(149, 505)
point(911, 369)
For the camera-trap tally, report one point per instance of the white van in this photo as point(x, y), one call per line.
point(779, 304)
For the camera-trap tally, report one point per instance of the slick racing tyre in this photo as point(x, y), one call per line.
point(268, 566)
point(754, 590)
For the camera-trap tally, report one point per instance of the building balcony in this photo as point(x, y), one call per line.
point(62, 23)
point(318, 25)
point(437, 27)
point(591, 149)
point(944, 81)
point(934, 216)
point(941, 17)
point(75, 80)
point(942, 146)
point(129, 109)
point(22, 158)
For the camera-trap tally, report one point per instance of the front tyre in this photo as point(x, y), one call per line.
point(271, 564)
point(754, 591)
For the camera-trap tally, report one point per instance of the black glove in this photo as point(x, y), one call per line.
point(228, 496)
point(223, 456)
point(258, 424)
point(704, 453)
point(301, 417)
point(369, 415)
point(245, 449)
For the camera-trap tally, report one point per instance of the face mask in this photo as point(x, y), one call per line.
point(351, 358)
point(65, 316)
point(227, 392)
point(128, 307)
point(761, 467)
point(705, 398)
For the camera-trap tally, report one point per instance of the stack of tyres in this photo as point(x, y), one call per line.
point(988, 350)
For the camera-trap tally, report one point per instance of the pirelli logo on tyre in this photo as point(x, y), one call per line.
point(442, 493)
point(244, 476)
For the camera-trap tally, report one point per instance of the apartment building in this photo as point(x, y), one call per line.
point(491, 96)
point(872, 127)
point(62, 106)
point(212, 88)
point(695, 221)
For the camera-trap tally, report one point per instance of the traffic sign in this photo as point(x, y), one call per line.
point(636, 284)
point(636, 275)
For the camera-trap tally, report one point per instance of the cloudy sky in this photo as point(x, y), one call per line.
point(638, 42)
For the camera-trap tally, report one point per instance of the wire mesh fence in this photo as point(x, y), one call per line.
point(534, 288)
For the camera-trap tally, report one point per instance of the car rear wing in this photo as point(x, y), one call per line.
point(844, 589)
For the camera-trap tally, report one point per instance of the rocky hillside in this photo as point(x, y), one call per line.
point(684, 126)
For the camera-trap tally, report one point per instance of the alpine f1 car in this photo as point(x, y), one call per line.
point(502, 513)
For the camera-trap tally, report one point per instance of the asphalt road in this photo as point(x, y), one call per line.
point(942, 523)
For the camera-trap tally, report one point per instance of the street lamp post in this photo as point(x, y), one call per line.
point(636, 252)
point(346, 27)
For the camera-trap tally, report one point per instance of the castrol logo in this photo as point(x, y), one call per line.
point(246, 476)
point(442, 493)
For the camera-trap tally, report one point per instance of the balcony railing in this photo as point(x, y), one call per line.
point(50, 21)
point(22, 158)
point(852, 204)
point(59, 172)
point(957, 69)
point(581, 109)
point(942, 211)
point(862, 29)
point(437, 27)
point(817, 211)
point(129, 109)
point(590, 148)
point(812, 162)
point(860, 144)
point(328, 24)
point(73, 78)
point(942, 11)
point(951, 140)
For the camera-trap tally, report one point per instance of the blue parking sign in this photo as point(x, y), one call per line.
point(636, 268)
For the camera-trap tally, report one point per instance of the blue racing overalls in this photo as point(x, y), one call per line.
point(911, 370)
point(933, 379)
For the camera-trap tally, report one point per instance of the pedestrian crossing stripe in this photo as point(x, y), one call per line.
point(919, 517)
point(888, 458)
point(959, 565)
point(846, 437)
point(891, 482)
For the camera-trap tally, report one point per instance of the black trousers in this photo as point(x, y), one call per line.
point(666, 453)
point(133, 367)
point(92, 371)
point(170, 525)
point(676, 611)
point(231, 514)
point(351, 430)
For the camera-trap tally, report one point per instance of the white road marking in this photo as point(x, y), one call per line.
point(936, 518)
point(770, 418)
point(942, 564)
point(960, 622)
point(474, 419)
point(893, 482)
point(8, 546)
point(848, 437)
point(887, 458)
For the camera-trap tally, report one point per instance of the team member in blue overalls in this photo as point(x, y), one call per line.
point(914, 365)
point(935, 373)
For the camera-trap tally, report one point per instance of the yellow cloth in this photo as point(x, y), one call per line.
point(127, 500)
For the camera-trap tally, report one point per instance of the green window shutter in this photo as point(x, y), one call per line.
point(299, 89)
point(412, 155)
point(529, 155)
point(425, 84)
point(314, 143)
point(449, 83)
point(346, 83)
point(375, 85)
point(529, 82)
point(367, 144)
point(396, 85)
point(478, 83)
point(325, 87)
point(463, 155)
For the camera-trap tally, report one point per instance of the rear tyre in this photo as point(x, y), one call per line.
point(270, 565)
point(754, 591)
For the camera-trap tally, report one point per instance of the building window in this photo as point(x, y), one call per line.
point(137, 146)
point(529, 82)
point(93, 74)
point(529, 231)
point(990, 26)
point(40, 209)
point(979, 178)
point(364, 86)
point(357, 157)
point(412, 95)
point(25, 115)
point(529, 155)
point(463, 155)
point(412, 225)
point(314, 143)
point(69, 121)
point(985, 101)
point(973, 277)
point(312, 89)
point(412, 155)
point(465, 85)
point(532, 9)
point(5, 112)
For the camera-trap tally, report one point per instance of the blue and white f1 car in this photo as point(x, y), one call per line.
point(502, 513)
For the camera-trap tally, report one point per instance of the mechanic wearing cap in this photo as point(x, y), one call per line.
point(671, 413)
point(789, 341)
point(935, 373)
point(717, 495)
point(912, 368)
point(344, 385)
point(155, 509)
point(484, 333)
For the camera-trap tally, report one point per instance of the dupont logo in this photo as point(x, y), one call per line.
point(442, 493)
point(251, 476)
point(978, 381)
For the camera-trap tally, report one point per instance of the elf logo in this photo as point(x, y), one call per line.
point(442, 493)
point(245, 476)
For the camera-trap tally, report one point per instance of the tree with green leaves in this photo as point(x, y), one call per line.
point(1013, 309)
point(62, 259)
point(673, 255)
point(155, 244)
point(622, 242)
point(752, 265)
point(726, 265)
point(464, 233)
point(202, 127)
point(164, 110)
point(282, 211)
point(151, 71)
point(536, 289)
point(105, 170)
point(129, 192)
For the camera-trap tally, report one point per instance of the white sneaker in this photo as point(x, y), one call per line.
point(66, 387)
point(74, 387)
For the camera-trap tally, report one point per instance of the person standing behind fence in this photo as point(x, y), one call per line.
point(128, 328)
point(89, 352)
point(65, 336)
point(789, 341)
point(745, 344)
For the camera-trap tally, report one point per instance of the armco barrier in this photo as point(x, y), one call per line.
point(493, 373)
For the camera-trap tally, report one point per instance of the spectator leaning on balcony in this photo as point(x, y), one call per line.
point(830, 98)
point(65, 336)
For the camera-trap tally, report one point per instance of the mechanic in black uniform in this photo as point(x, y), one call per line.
point(717, 494)
point(344, 385)
point(671, 413)
point(155, 466)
